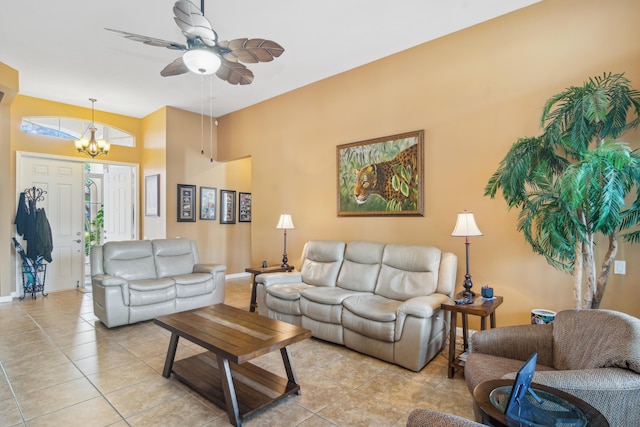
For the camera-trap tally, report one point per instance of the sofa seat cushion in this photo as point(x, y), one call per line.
point(189, 285)
point(372, 316)
point(324, 304)
point(325, 295)
point(151, 291)
point(289, 292)
point(373, 307)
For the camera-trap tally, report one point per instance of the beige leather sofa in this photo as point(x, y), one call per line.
point(591, 354)
point(379, 299)
point(142, 279)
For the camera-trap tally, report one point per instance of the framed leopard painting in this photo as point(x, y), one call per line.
point(382, 176)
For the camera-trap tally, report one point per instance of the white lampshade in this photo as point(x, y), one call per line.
point(201, 61)
point(285, 222)
point(466, 226)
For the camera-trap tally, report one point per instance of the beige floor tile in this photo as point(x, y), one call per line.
point(318, 391)
point(283, 413)
point(94, 412)
point(15, 353)
point(44, 401)
point(38, 378)
point(49, 359)
point(122, 376)
point(316, 421)
point(142, 396)
point(9, 413)
point(82, 351)
point(182, 411)
point(356, 409)
point(107, 359)
point(5, 389)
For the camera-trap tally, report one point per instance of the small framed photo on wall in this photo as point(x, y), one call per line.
point(227, 207)
point(244, 207)
point(208, 199)
point(186, 203)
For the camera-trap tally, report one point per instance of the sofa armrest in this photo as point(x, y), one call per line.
point(209, 268)
point(516, 342)
point(109, 281)
point(268, 279)
point(422, 306)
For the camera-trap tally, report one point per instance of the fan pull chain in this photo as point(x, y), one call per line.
point(202, 114)
point(211, 119)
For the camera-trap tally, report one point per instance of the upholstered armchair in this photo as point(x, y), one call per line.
point(591, 354)
point(431, 418)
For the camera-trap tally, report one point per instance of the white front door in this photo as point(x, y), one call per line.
point(63, 182)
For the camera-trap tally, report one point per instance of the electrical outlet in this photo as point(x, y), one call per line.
point(619, 267)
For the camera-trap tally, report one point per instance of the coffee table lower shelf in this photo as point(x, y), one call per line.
point(254, 387)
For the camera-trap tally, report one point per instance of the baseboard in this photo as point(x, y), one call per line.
point(8, 298)
point(237, 275)
point(459, 332)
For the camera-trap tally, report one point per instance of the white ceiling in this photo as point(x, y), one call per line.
point(64, 54)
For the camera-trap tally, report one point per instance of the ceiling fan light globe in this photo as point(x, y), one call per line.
point(201, 61)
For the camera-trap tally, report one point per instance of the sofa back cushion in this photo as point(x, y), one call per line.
point(587, 339)
point(408, 271)
point(321, 261)
point(132, 260)
point(361, 266)
point(174, 256)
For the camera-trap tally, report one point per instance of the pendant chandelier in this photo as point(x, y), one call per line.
point(90, 146)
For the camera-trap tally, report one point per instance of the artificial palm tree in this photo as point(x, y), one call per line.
point(572, 182)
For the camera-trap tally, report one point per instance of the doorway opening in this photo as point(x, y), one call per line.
point(109, 207)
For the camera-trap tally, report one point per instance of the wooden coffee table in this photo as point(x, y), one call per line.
point(223, 374)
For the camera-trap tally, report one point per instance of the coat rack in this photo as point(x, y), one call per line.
point(34, 271)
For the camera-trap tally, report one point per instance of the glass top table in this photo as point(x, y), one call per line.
point(551, 410)
point(556, 409)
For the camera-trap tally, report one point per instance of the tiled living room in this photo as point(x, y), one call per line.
point(61, 366)
point(467, 96)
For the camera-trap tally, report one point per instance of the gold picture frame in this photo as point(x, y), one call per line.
point(381, 176)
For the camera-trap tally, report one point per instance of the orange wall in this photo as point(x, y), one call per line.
point(227, 244)
point(474, 93)
point(9, 87)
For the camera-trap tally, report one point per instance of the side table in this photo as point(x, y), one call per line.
point(480, 307)
point(256, 271)
point(556, 404)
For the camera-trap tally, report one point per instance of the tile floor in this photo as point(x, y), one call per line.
point(59, 366)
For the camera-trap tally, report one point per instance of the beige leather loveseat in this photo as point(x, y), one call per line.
point(142, 279)
point(379, 299)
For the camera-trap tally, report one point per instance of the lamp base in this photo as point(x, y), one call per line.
point(467, 284)
point(284, 261)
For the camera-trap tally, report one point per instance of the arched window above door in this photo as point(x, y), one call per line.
point(70, 128)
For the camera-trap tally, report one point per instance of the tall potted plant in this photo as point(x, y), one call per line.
point(571, 182)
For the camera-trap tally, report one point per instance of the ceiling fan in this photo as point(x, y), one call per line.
point(203, 53)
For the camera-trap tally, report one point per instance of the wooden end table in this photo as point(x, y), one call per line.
point(558, 401)
point(233, 338)
point(480, 307)
point(256, 271)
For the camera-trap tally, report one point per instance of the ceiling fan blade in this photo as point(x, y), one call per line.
point(193, 23)
point(234, 73)
point(176, 68)
point(252, 50)
point(150, 40)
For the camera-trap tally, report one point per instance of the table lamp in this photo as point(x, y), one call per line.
point(466, 227)
point(285, 224)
